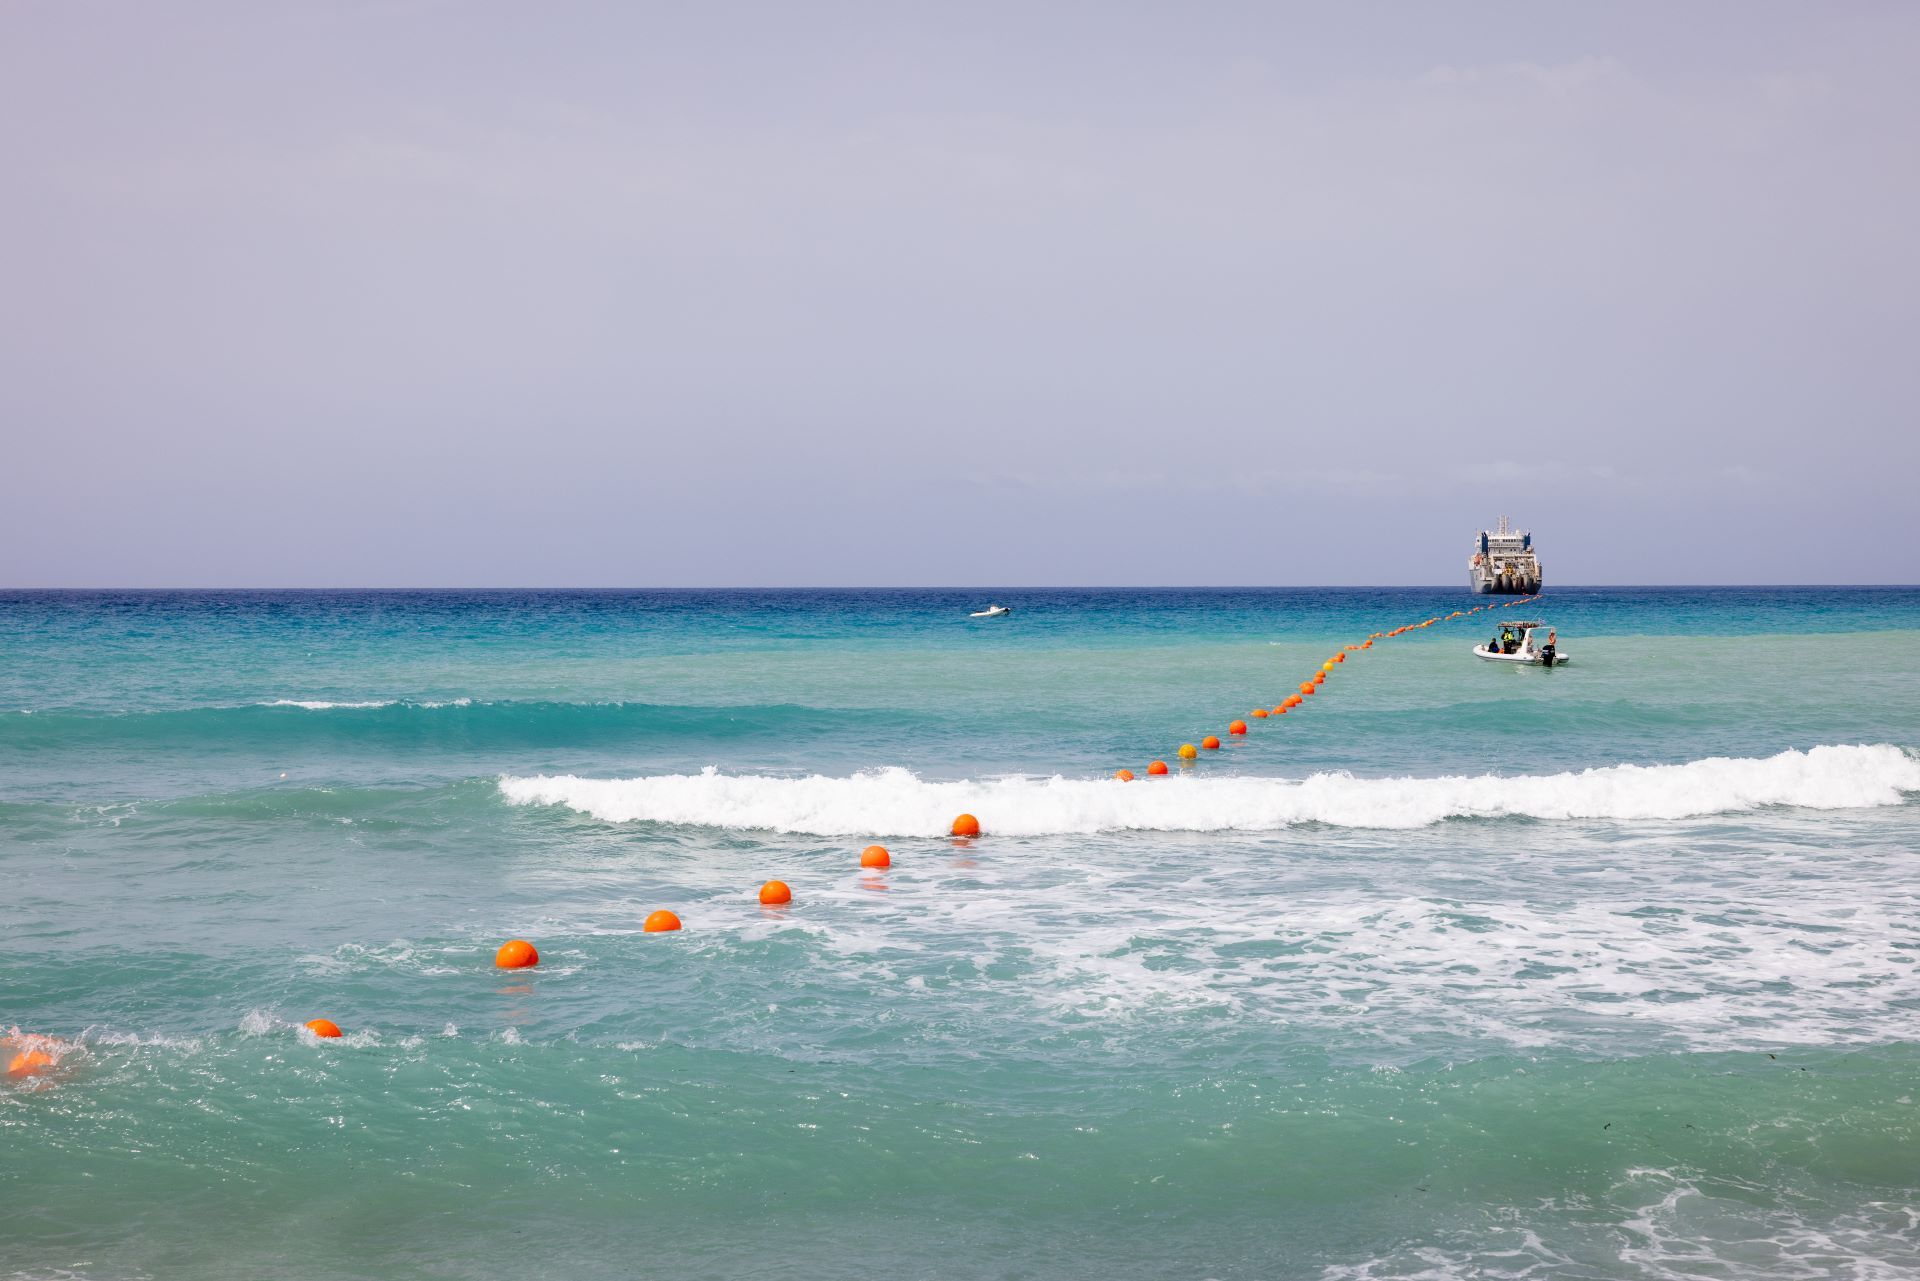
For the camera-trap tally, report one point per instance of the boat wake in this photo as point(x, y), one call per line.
point(896, 802)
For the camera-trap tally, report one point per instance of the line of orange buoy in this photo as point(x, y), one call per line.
point(1312, 685)
point(518, 954)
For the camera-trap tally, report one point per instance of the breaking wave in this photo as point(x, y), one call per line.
point(322, 705)
point(895, 802)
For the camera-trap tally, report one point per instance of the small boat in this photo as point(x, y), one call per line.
point(1516, 643)
point(991, 611)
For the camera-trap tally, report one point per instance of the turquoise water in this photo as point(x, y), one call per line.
point(1459, 970)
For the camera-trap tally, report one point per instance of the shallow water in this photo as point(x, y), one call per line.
point(1458, 970)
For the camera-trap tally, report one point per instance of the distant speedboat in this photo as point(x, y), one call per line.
point(1515, 644)
point(991, 611)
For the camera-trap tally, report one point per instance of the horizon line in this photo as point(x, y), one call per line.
point(981, 587)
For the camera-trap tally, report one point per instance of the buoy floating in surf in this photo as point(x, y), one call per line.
point(516, 954)
point(30, 1063)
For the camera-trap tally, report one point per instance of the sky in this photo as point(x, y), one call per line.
point(470, 294)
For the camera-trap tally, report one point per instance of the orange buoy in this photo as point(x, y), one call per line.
point(1339, 658)
point(1319, 677)
point(516, 954)
point(1238, 727)
point(1210, 743)
point(661, 921)
point(1307, 688)
point(32, 1063)
point(1124, 775)
point(326, 1028)
point(1158, 767)
point(1258, 713)
point(966, 825)
point(1367, 644)
point(1188, 751)
point(875, 856)
point(1282, 709)
point(774, 893)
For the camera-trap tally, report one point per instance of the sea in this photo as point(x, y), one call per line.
point(1456, 970)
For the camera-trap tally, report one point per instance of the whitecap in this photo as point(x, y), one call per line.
point(896, 802)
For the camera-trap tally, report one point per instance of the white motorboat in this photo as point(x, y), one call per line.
point(991, 611)
point(1531, 643)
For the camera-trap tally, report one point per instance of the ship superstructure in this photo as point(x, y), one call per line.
point(1504, 563)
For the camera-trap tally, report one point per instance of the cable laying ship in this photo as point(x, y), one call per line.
point(1504, 563)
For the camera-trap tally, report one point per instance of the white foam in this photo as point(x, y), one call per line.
point(323, 705)
point(894, 802)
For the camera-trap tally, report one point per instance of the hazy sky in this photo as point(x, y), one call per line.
point(574, 294)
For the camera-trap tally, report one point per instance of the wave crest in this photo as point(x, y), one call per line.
point(895, 802)
point(322, 705)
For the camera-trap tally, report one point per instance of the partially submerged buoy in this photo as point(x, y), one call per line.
point(1210, 743)
point(775, 892)
point(1158, 767)
point(1240, 727)
point(966, 825)
point(1258, 713)
point(1124, 775)
point(327, 1029)
point(1188, 751)
point(29, 1063)
point(875, 856)
point(661, 921)
point(516, 954)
